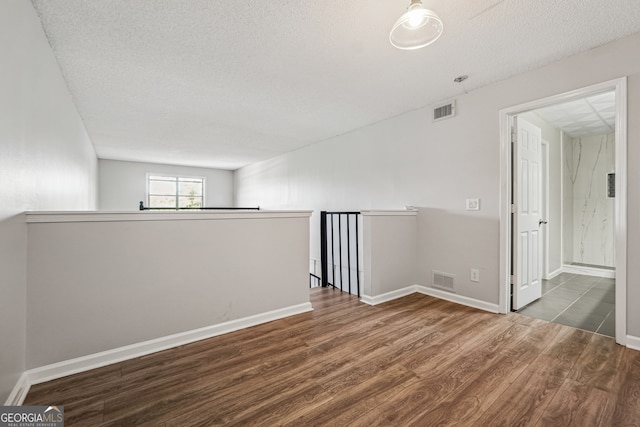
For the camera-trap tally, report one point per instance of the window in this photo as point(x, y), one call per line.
point(175, 191)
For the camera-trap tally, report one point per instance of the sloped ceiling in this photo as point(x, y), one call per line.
point(223, 84)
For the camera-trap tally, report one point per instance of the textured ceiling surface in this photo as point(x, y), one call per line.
point(226, 83)
point(595, 115)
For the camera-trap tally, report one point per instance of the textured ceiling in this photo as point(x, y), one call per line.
point(225, 83)
point(595, 115)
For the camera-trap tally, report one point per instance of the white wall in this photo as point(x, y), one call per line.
point(567, 199)
point(408, 160)
point(593, 232)
point(105, 281)
point(46, 162)
point(124, 184)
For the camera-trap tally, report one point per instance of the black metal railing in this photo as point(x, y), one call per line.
point(145, 208)
point(338, 231)
point(314, 281)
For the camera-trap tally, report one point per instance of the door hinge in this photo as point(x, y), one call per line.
point(513, 279)
point(513, 208)
point(514, 137)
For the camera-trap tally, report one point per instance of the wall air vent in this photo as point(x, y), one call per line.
point(444, 111)
point(442, 280)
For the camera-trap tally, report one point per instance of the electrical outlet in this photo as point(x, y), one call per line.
point(474, 275)
point(473, 204)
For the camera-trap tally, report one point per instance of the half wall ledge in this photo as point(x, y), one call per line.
point(107, 216)
point(108, 280)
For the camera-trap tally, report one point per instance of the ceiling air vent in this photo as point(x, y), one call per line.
point(444, 111)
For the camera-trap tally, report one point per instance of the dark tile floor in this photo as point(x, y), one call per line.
point(583, 302)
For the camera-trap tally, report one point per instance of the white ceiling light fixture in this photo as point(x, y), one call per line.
point(416, 28)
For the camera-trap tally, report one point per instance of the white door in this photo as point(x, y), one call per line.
point(527, 200)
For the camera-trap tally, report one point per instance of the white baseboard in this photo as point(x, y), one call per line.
point(589, 271)
point(379, 299)
point(104, 358)
point(633, 342)
point(459, 299)
point(19, 392)
point(554, 274)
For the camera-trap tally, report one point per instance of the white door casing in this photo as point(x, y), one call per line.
point(527, 219)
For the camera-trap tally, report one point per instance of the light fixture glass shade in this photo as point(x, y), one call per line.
point(418, 27)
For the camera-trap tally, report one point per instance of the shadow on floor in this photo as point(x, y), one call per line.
point(583, 302)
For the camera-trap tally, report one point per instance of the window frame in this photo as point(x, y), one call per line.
point(178, 177)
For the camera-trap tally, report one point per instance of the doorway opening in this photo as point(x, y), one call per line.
point(535, 246)
point(580, 301)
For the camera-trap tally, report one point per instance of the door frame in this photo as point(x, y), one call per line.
point(545, 207)
point(505, 121)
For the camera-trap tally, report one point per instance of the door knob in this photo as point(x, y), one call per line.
point(542, 221)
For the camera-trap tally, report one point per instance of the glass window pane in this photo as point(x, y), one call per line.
point(162, 187)
point(162, 201)
point(166, 191)
point(191, 188)
point(190, 202)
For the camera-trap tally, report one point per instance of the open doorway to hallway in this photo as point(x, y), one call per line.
point(585, 217)
point(577, 214)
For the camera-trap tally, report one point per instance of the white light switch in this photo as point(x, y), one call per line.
point(473, 204)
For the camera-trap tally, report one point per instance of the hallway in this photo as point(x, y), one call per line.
point(583, 302)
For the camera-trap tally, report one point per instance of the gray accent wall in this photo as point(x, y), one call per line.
point(115, 281)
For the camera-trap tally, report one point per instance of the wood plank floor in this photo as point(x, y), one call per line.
point(413, 361)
